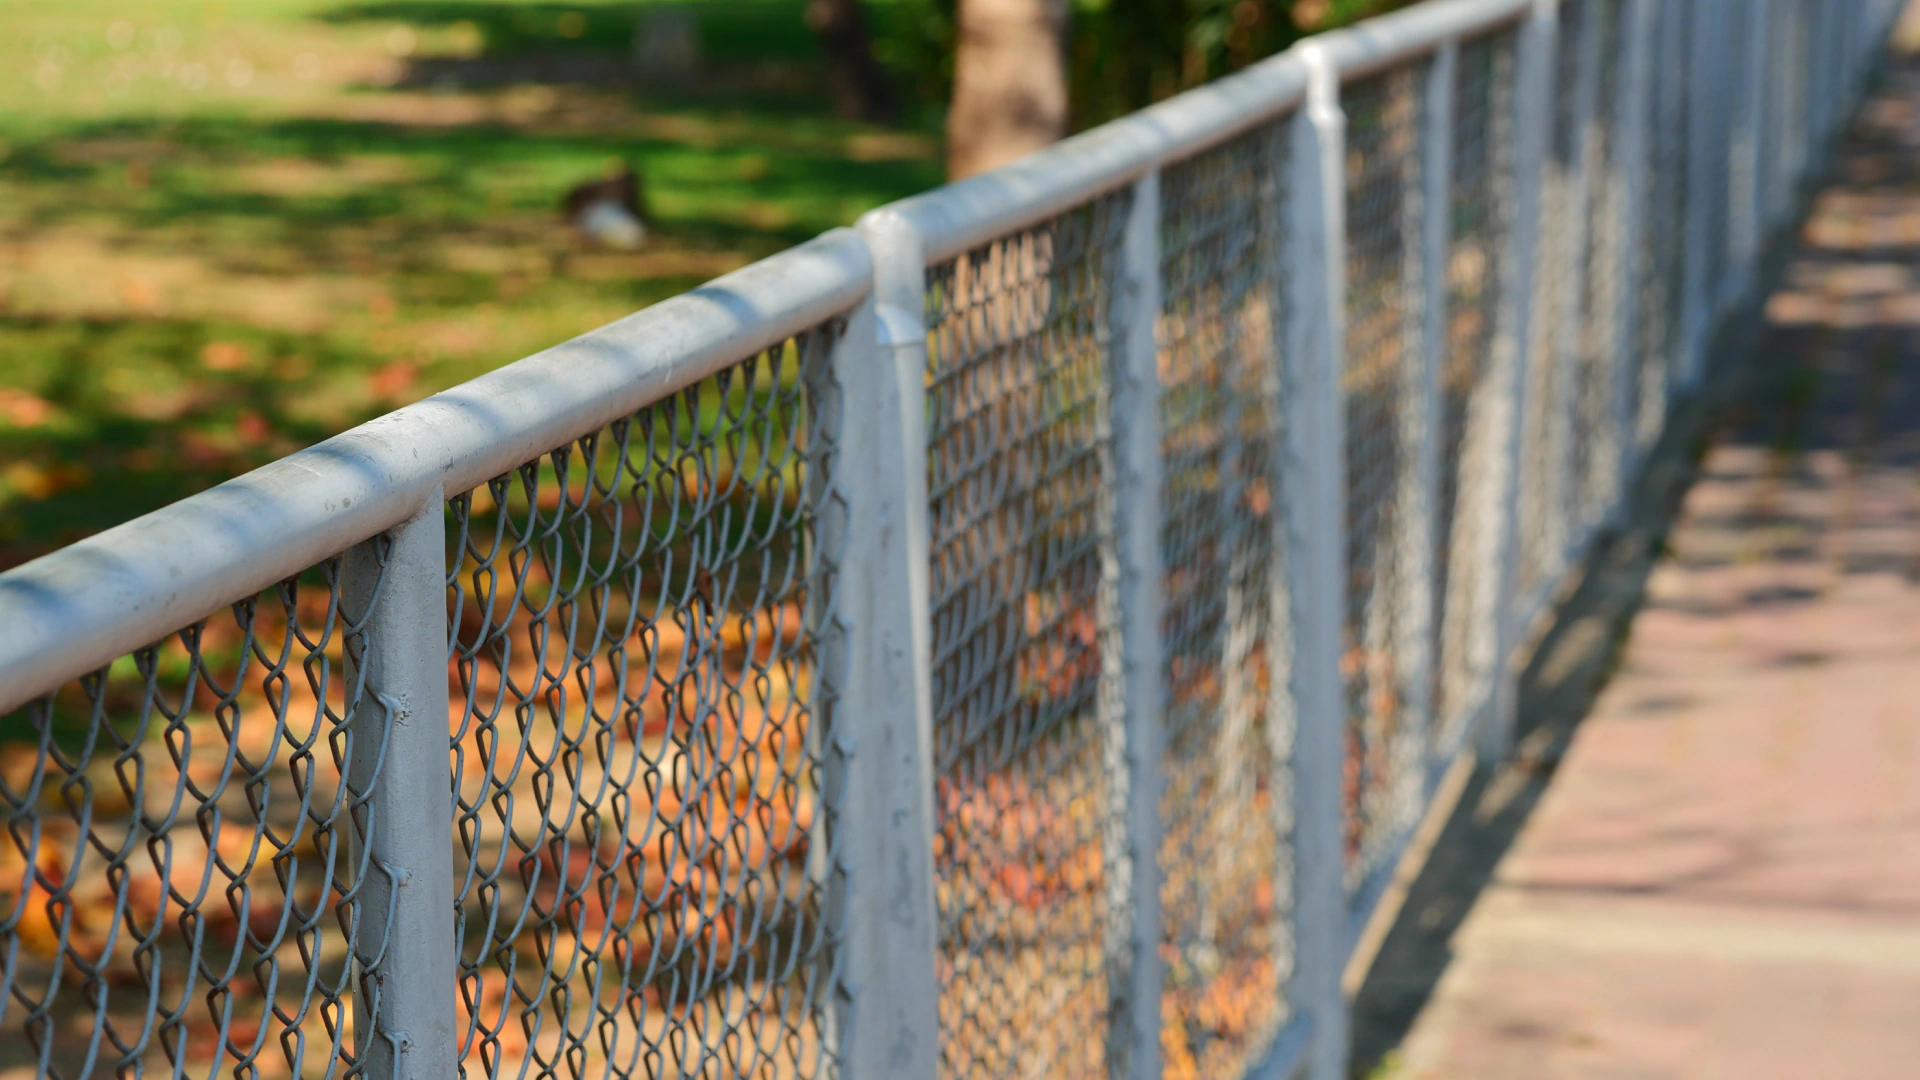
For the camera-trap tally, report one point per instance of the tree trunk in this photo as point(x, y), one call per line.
point(1009, 82)
point(858, 87)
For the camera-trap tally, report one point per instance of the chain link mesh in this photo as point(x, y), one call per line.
point(1225, 854)
point(640, 863)
point(1385, 306)
point(1028, 796)
point(1481, 196)
point(180, 877)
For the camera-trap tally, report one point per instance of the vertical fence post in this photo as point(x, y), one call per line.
point(1857, 29)
point(1706, 154)
point(1786, 94)
point(1746, 181)
point(1772, 79)
point(1421, 434)
point(1666, 205)
point(404, 1008)
point(1819, 39)
point(1800, 107)
point(1132, 691)
point(1843, 24)
point(1826, 78)
point(882, 720)
point(1793, 99)
point(1839, 50)
point(1632, 166)
point(1568, 333)
point(1312, 469)
point(1514, 342)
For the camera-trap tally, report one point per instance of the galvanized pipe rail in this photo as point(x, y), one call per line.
point(1081, 478)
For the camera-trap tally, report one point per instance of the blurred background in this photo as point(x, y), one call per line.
point(232, 228)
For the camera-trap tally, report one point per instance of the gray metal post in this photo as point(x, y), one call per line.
point(883, 714)
point(1705, 197)
point(1843, 21)
point(1840, 57)
point(1669, 155)
point(1853, 32)
point(1819, 86)
point(1419, 503)
point(1632, 168)
point(1796, 39)
point(1746, 221)
point(1513, 345)
point(404, 1008)
point(1132, 691)
point(1773, 79)
point(1820, 22)
point(1578, 207)
point(1312, 470)
point(1826, 76)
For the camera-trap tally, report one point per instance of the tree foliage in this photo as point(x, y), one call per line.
point(1130, 53)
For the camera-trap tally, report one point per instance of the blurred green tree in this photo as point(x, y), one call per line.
point(1025, 72)
point(859, 87)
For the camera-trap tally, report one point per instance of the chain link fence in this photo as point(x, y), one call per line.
point(1028, 778)
point(1386, 298)
point(186, 886)
point(636, 760)
point(1017, 638)
point(1225, 857)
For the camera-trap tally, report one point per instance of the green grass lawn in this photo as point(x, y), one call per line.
point(231, 229)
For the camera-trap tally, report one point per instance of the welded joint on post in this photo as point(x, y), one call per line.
point(1323, 81)
point(896, 326)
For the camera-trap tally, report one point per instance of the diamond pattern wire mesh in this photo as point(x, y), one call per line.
point(1594, 439)
point(1225, 857)
point(180, 883)
point(1545, 426)
point(1481, 213)
point(1385, 746)
point(1026, 798)
point(636, 755)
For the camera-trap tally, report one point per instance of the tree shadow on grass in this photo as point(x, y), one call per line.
point(451, 177)
point(758, 48)
point(730, 31)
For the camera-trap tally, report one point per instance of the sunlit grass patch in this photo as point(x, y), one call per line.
point(350, 206)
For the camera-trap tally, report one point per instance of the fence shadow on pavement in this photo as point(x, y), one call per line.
point(1761, 396)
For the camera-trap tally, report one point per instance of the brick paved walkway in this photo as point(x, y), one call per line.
point(1722, 879)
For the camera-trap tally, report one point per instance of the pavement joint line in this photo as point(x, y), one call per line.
point(1506, 916)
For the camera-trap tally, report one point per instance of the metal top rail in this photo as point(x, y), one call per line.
point(72, 611)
